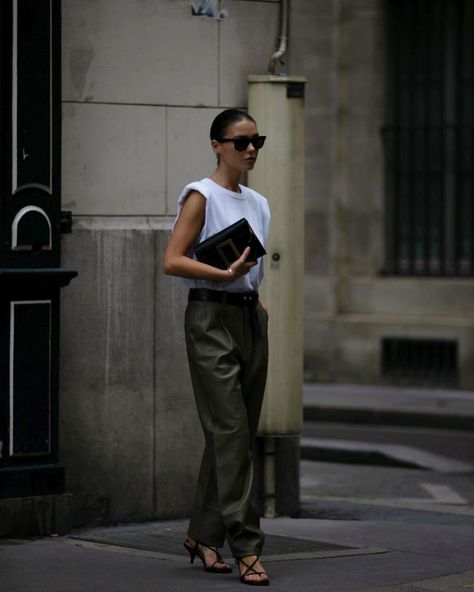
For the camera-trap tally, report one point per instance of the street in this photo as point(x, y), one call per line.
point(419, 467)
point(337, 491)
point(395, 513)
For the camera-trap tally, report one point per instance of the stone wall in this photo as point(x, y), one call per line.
point(142, 82)
point(350, 305)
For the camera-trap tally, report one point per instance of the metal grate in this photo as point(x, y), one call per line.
point(169, 542)
point(420, 360)
point(429, 137)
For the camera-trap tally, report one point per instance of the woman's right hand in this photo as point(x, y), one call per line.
point(241, 266)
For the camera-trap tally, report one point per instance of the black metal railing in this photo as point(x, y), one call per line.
point(420, 361)
point(429, 138)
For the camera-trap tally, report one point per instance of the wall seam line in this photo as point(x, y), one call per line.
point(166, 105)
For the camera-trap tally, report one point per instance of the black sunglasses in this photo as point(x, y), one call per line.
point(242, 142)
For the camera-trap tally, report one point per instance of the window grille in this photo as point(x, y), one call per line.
point(429, 137)
point(421, 361)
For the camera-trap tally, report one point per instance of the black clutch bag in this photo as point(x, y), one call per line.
point(223, 248)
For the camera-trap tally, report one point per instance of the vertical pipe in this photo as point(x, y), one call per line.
point(282, 39)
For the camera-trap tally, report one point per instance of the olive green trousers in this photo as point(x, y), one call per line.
point(227, 350)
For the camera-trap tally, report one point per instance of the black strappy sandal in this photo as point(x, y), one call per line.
point(250, 571)
point(193, 550)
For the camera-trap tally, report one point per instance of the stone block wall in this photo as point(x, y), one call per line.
point(142, 82)
point(350, 305)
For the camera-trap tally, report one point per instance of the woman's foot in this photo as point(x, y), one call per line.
point(209, 556)
point(251, 571)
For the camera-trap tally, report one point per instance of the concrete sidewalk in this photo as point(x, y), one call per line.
point(376, 544)
point(386, 537)
point(411, 427)
point(375, 556)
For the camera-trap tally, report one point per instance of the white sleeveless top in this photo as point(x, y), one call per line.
point(223, 208)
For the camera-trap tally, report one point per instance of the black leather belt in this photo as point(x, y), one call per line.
point(235, 298)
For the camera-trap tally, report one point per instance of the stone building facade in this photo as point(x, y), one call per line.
point(142, 81)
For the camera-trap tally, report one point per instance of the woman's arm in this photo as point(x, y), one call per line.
point(187, 229)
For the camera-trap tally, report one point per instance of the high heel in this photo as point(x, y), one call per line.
point(251, 571)
point(193, 550)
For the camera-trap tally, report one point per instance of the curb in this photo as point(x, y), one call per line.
point(372, 453)
point(320, 413)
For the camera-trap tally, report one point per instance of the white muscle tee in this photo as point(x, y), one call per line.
point(223, 208)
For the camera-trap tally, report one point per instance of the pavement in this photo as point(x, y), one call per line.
point(413, 427)
point(376, 404)
point(363, 527)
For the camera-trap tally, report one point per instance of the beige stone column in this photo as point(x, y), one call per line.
point(277, 104)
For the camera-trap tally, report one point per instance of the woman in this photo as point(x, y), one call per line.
point(226, 341)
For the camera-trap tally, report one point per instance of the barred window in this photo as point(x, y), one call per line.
point(428, 137)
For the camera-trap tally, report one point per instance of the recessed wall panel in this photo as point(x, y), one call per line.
point(31, 109)
point(30, 377)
